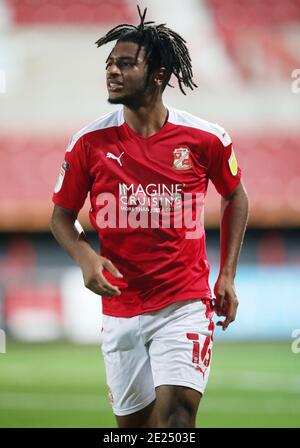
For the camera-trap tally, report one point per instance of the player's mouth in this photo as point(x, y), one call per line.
point(114, 86)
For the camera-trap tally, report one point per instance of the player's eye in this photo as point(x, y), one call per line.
point(120, 64)
point(126, 64)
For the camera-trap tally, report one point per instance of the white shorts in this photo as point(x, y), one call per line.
point(172, 346)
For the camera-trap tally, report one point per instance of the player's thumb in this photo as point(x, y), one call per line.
point(112, 269)
point(219, 303)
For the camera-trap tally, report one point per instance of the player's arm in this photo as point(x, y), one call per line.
point(69, 234)
point(73, 185)
point(234, 215)
point(224, 172)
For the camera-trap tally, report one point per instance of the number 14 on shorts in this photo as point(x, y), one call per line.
point(200, 356)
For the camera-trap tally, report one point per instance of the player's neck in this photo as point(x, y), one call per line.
point(148, 119)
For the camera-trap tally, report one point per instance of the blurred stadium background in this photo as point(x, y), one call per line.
point(51, 84)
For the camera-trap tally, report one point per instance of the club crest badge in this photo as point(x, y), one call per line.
point(182, 159)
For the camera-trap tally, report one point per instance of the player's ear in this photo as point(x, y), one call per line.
point(159, 76)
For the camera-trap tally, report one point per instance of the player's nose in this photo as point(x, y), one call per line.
point(113, 70)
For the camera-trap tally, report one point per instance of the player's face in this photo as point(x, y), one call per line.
point(126, 75)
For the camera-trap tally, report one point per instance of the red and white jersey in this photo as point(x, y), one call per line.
point(147, 197)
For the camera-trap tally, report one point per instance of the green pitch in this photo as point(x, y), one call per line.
point(62, 385)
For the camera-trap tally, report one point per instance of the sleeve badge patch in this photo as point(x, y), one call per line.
point(65, 165)
point(233, 165)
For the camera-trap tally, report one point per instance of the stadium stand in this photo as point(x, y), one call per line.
point(69, 11)
point(258, 30)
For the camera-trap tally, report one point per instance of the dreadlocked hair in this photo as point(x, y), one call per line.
point(163, 48)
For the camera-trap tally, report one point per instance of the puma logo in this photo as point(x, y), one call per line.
point(109, 155)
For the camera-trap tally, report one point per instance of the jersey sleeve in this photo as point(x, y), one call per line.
point(74, 181)
point(222, 168)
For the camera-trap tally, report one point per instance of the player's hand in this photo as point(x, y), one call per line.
point(92, 271)
point(226, 302)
